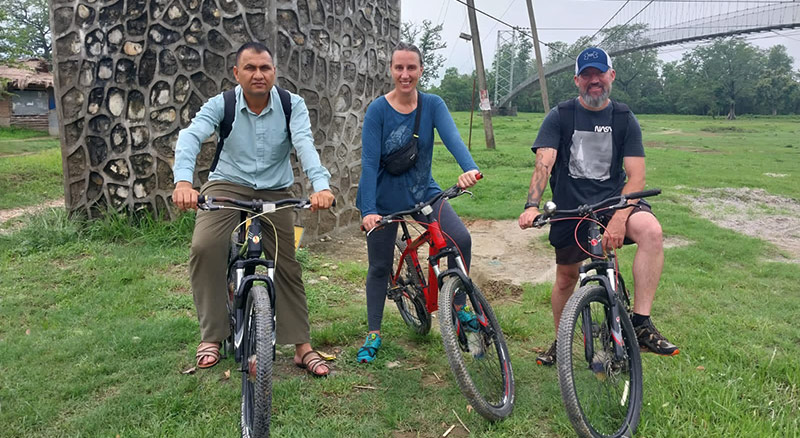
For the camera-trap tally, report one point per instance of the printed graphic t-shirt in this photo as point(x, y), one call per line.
point(589, 167)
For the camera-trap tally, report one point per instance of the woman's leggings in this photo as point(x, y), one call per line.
point(380, 251)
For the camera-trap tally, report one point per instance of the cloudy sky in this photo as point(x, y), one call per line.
point(563, 20)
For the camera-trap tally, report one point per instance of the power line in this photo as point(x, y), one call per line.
point(549, 45)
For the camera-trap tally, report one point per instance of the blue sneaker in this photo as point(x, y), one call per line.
point(468, 319)
point(469, 322)
point(368, 352)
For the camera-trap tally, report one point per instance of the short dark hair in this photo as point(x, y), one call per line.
point(408, 48)
point(254, 46)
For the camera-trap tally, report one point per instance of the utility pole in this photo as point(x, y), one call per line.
point(486, 108)
point(539, 67)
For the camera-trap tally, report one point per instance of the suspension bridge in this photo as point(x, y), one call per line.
point(673, 22)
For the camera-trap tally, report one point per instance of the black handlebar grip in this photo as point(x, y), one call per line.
point(643, 194)
point(201, 199)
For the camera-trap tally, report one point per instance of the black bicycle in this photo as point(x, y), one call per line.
point(599, 363)
point(251, 298)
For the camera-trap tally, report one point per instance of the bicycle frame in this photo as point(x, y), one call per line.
point(244, 266)
point(437, 248)
point(604, 266)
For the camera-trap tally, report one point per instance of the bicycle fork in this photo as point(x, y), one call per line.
point(612, 320)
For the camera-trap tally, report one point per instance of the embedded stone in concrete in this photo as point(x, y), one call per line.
point(116, 101)
point(105, 69)
point(98, 150)
point(96, 97)
point(118, 169)
point(99, 125)
point(147, 67)
point(142, 164)
point(86, 74)
point(136, 106)
point(162, 120)
point(204, 85)
point(190, 109)
point(168, 65)
point(188, 57)
point(140, 137)
point(76, 163)
point(132, 48)
point(73, 132)
point(126, 72)
point(72, 103)
point(159, 94)
point(182, 89)
point(119, 138)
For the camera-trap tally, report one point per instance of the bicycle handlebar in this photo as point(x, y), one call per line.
point(256, 205)
point(616, 203)
point(449, 193)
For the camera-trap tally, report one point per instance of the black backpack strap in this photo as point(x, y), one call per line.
point(619, 122)
point(227, 123)
point(286, 104)
point(619, 130)
point(566, 121)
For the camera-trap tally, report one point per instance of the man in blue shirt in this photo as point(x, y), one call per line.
point(254, 164)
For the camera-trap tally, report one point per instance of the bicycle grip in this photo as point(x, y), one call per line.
point(643, 194)
point(201, 199)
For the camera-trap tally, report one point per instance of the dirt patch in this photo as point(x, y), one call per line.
point(503, 256)
point(755, 213)
point(12, 213)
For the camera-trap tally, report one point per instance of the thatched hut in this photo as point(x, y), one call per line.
point(28, 99)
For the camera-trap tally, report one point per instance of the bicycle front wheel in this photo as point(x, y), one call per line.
point(602, 393)
point(478, 356)
point(410, 299)
point(257, 375)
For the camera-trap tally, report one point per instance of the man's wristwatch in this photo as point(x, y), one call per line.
point(531, 204)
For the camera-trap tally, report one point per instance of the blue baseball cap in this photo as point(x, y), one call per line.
point(592, 57)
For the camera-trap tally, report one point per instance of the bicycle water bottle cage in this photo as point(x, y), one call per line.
point(426, 210)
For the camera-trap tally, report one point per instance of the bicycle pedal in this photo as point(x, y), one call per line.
point(395, 293)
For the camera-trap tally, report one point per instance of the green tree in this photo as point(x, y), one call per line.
point(732, 67)
point(456, 90)
point(25, 29)
point(778, 82)
point(428, 38)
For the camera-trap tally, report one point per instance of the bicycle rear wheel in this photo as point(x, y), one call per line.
point(257, 377)
point(410, 299)
point(479, 360)
point(602, 394)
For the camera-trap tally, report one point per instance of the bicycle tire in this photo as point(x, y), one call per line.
point(487, 381)
point(257, 363)
point(602, 398)
point(410, 300)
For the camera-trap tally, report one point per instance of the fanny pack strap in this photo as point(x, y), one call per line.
point(419, 112)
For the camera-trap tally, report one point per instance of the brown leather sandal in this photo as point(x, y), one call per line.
point(312, 364)
point(210, 350)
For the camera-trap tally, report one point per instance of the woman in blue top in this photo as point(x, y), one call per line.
point(388, 125)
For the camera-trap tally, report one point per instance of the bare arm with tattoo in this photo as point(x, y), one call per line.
point(545, 159)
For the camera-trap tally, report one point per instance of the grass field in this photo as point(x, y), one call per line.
point(97, 320)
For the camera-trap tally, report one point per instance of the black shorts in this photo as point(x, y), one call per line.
point(571, 254)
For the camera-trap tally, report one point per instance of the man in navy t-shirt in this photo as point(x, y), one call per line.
point(592, 164)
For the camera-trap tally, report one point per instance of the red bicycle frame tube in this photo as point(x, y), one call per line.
point(434, 237)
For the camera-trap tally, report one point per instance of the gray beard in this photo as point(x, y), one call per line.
point(596, 102)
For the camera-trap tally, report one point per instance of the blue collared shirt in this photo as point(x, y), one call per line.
point(256, 153)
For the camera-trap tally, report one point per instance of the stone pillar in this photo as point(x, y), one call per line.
point(130, 74)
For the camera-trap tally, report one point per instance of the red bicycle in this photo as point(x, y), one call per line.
point(477, 353)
